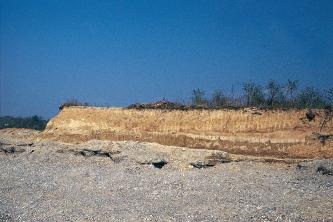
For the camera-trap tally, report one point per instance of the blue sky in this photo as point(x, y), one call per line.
point(121, 52)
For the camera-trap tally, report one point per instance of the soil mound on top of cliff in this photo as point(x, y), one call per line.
point(167, 105)
point(159, 105)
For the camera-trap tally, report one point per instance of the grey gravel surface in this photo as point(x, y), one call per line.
point(51, 181)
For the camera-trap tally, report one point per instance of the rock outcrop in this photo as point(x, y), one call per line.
point(275, 133)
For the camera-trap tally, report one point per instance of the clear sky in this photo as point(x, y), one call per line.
point(119, 52)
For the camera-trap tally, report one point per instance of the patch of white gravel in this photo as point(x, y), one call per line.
point(51, 181)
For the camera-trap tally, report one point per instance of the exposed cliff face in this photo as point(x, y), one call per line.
point(254, 132)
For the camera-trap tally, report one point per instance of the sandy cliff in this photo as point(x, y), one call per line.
point(278, 133)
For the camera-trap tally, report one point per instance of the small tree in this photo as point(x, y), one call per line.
point(329, 96)
point(253, 93)
point(310, 98)
point(290, 88)
point(198, 97)
point(275, 95)
point(218, 99)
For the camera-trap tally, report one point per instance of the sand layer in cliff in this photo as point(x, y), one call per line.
point(276, 133)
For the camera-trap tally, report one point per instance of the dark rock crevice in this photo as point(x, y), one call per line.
point(325, 171)
point(11, 150)
point(159, 164)
point(95, 153)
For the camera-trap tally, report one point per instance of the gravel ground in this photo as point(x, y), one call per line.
point(122, 181)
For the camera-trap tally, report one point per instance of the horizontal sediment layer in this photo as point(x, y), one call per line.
point(277, 133)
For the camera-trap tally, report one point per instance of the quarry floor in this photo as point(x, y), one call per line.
point(127, 181)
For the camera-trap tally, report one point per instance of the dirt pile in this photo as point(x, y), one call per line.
point(273, 133)
point(159, 105)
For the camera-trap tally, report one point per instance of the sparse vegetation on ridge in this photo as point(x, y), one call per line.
point(72, 102)
point(271, 96)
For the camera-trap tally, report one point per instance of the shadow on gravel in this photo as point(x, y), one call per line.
point(97, 153)
point(211, 161)
point(89, 153)
point(11, 150)
point(324, 167)
point(200, 165)
point(5, 217)
point(323, 170)
point(156, 164)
